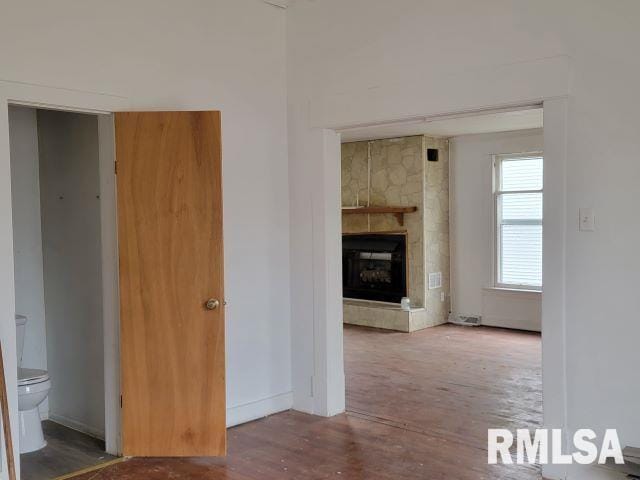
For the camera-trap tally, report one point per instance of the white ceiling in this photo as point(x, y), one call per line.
point(450, 127)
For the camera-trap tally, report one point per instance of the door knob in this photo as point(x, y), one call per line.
point(212, 304)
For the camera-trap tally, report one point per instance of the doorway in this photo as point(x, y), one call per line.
point(171, 313)
point(357, 344)
point(202, 143)
point(60, 297)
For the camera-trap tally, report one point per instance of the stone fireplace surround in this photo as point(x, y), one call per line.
point(395, 172)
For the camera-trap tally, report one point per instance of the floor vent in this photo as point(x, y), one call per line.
point(466, 320)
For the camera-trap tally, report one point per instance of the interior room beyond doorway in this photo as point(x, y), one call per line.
point(56, 197)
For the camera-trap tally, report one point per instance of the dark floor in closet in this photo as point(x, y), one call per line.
point(67, 451)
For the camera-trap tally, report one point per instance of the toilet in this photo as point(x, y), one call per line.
point(33, 388)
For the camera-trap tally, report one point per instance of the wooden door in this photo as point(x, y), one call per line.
point(171, 261)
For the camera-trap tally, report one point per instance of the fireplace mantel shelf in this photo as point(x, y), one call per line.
point(397, 211)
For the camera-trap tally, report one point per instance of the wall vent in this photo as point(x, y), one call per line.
point(466, 320)
point(435, 280)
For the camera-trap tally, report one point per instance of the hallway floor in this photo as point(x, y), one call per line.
point(418, 407)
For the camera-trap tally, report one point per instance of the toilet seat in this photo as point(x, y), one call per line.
point(31, 376)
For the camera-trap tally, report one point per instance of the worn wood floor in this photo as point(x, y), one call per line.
point(67, 451)
point(419, 406)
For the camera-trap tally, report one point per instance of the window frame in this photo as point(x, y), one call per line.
point(497, 192)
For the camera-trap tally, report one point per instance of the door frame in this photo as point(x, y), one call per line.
point(102, 105)
point(328, 368)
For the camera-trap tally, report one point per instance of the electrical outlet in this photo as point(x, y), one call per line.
point(442, 296)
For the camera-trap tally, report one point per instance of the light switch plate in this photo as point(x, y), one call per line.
point(587, 220)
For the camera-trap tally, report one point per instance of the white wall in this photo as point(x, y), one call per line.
point(472, 231)
point(70, 205)
point(359, 61)
point(201, 54)
point(27, 235)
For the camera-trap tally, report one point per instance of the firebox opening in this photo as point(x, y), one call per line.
point(374, 266)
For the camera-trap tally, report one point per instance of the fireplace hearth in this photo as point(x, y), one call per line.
point(374, 266)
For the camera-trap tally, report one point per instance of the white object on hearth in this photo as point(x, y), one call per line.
point(405, 304)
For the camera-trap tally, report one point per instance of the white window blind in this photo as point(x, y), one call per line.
point(518, 203)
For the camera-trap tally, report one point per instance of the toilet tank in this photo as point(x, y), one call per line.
point(21, 325)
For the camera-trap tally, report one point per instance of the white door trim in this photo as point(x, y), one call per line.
point(110, 283)
point(554, 358)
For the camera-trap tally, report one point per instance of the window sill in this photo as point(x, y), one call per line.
point(508, 290)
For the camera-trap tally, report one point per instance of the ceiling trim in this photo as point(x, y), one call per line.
point(435, 118)
point(499, 120)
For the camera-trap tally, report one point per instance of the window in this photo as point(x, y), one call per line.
point(518, 214)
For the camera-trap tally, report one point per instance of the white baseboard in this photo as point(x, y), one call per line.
point(235, 415)
point(512, 323)
point(76, 425)
point(259, 409)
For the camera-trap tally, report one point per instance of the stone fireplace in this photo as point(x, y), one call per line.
point(381, 249)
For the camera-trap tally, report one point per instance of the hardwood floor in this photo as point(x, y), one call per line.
point(419, 406)
point(449, 382)
point(67, 451)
